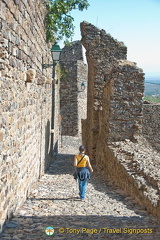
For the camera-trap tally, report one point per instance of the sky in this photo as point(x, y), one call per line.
point(134, 22)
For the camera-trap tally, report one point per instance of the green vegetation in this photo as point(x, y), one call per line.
point(152, 90)
point(59, 22)
point(155, 99)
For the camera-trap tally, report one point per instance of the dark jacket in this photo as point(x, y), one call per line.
point(83, 173)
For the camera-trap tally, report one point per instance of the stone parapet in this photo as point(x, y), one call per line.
point(135, 169)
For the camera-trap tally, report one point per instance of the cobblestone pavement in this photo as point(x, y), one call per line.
point(107, 213)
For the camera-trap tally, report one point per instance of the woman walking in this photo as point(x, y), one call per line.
point(82, 163)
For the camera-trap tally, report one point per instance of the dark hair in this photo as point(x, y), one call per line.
point(82, 148)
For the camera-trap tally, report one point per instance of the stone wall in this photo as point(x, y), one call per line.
point(134, 167)
point(72, 99)
point(112, 131)
point(151, 124)
point(102, 51)
point(26, 104)
point(122, 98)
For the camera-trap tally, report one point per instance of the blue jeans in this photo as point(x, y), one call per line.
point(82, 188)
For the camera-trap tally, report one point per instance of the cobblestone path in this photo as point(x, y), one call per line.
point(105, 214)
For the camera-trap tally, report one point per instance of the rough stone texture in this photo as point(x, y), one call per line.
point(113, 128)
point(106, 213)
point(30, 109)
point(151, 124)
point(122, 102)
point(26, 106)
point(72, 100)
point(135, 168)
point(102, 51)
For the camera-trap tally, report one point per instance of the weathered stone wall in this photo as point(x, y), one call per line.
point(112, 131)
point(102, 51)
point(124, 98)
point(134, 167)
point(72, 100)
point(25, 101)
point(151, 124)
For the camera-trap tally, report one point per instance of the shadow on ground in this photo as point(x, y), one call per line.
point(82, 227)
point(64, 165)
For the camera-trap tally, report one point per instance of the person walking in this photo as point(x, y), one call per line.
point(83, 168)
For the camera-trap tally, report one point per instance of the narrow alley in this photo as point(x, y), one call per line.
point(107, 213)
point(54, 92)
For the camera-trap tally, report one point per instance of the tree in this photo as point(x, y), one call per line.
point(59, 22)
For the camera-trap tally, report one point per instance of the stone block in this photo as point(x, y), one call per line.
point(31, 74)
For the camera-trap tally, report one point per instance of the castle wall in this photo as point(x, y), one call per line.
point(112, 131)
point(134, 167)
point(125, 101)
point(121, 113)
point(72, 99)
point(30, 108)
point(26, 101)
point(151, 124)
point(102, 51)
